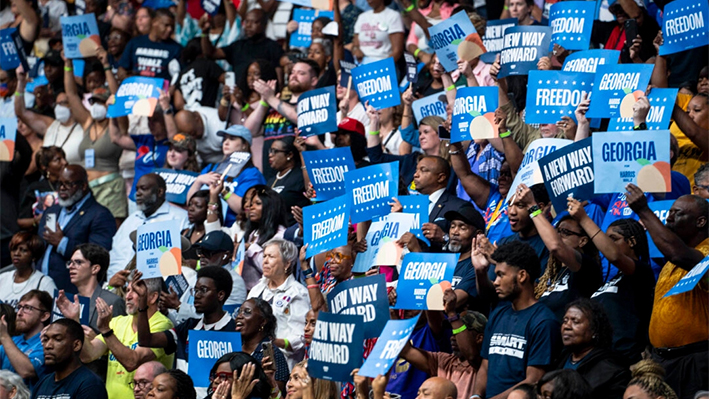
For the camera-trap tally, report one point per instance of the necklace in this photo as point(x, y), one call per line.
point(23, 286)
point(279, 177)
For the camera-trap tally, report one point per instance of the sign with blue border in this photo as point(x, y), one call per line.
point(568, 172)
point(337, 347)
point(365, 296)
point(685, 26)
point(13, 53)
point(80, 36)
point(448, 36)
point(137, 95)
point(325, 225)
point(616, 88)
point(158, 249)
point(474, 114)
point(662, 102)
point(305, 18)
point(571, 23)
point(553, 94)
point(423, 279)
point(317, 111)
point(327, 169)
point(370, 190)
point(204, 348)
point(376, 83)
point(522, 49)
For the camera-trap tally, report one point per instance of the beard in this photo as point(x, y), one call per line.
point(296, 87)
point(69, 202)
point(148, 202)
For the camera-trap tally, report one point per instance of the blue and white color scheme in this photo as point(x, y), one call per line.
point(305, 18)
point(234, 164)
point(412, 71)
point(211, 7)
point(381, 242)
point(205, 347)
point(587, 61)
point(137, 95)
point(685, 26)
point(494, 38)
point(376, 82)
point(571, 24)
point(8, 135)
point(317, 111)
point(614, 84)
point(76, 35)
point(553, 94)
point(529, 172)
point(346, 72)
point(428, 106)
point(470, 113)
point(447, 35)
point(661, 209)
point(178, 184)
point(662, 102)
point(366, 296)
point(153, 245)
point(12, 54)
point(523, 47)
point(393, 339)
point(84, 308)
point(337, 347)
point(688, 282)
point(371, 189)
point(568, 172)
point(325, 225)
point(423, 279)
point(416, 205)
point(326, 170)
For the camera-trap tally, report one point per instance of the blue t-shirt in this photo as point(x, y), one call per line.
point(497, 223)
point(406, 379)
point(33, 349)
point(148, 58)
point(247, 178)
point(515, 340)
point(150, 154)
point(82, 383)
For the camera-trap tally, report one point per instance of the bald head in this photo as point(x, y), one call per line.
point(688, 219)
point(144, 375)
point(437, 388)
point(76, 173)
point(190, 123)
point(255, 23)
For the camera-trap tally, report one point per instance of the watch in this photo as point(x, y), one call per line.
point(169, 111)
point(641, 126)
point(453, 318)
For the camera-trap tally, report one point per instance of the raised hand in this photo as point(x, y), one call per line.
point(243, 384)
point(70, 310)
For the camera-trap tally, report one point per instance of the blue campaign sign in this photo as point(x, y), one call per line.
point(137, 95)
point(80, 36)
point(371, 189)
point(325, 225)
point(346, 72)
point(662, 102)
point(8, 133)
point(317, 111)
point(529, 172)
point(661, 209)
point(493, 39)
point(376, 82)
point(588, 60)
point(571, 24)
point(428, 106)
point(568, 172)
point(523, 47)
point(305, 18)
point(13, 53)
point(416, 205)
point(204, 348)
point(84, 308)
point(553, 94)
point(365, 296)
point(392, 340)
point(449, 35)
point(158, 249)
point(337, 347)
point(381, 242)
point(423, 279)
point(326, 170)
point(474, 114)
point(616, 88)
point(39, 81)
point(233, 310)
point(178, 284)
point(211, 7)
point(178, 184)
point(684, 26)
point(639, 157)
point(691, 279)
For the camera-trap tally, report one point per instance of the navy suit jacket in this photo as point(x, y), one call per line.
point(447, 202)
point(92, 223)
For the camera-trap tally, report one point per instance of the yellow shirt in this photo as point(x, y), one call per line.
point(690, 157)
point(117, 377)
point(680, 319)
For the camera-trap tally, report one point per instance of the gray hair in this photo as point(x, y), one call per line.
point(326, 44)
point(10, 380)
point(152, 284)
point(288, 251)
point(157, 367)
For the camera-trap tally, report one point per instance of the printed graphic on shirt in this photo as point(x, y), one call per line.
point(610, 287)
point(508, 345)
point(191, 87)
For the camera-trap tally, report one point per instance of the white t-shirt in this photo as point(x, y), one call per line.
point(374, 30)
point(67, 137)
point(209, 146)
point(392, 142)
point(10, 293)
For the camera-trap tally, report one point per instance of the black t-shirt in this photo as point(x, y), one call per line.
point(569, 286)
point(198, 84)
point(464, 279)
point(145, 57)
point(82, 383)
point(291, 188)
point(328, 78)
point(243, 52)
point(628, 303)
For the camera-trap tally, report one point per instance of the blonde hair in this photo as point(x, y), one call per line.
point(322, 389)
point(650, 377)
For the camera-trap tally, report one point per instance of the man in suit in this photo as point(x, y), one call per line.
point(77, 219)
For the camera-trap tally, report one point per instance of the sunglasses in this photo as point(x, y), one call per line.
point(566, 233)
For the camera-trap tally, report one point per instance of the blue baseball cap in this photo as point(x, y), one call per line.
point(237, 131)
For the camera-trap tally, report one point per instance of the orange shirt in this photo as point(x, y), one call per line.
point(680, 319)
point(690, 157)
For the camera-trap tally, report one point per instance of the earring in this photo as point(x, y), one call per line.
point(261, 329)
point(288, 158)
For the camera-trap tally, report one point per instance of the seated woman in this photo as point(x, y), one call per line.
point(173, 384)
point(563, 384)
point(289, 297)
point(25, 248)
point(649, 382)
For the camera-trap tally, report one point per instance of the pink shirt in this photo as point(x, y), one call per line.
point(450, 367)
point(482, 74)
point(445, 10)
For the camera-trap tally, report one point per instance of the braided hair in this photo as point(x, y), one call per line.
point(266, 311)
point(634, 235)
point(650, 377)
point(184, 387)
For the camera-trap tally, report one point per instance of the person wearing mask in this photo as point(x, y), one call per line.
point(26, 249)
point(143, 379)
point(42, 194)
point(63, 342)
point(285, 159)
point(78, 219)
point(379, 33)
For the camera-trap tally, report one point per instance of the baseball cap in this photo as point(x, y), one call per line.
point(216, 241)
point(469, 215)
point(236, 131)
point(53, 58)
point(474, 320)
point(183, 142)
point(100, 93)
point(351, 125)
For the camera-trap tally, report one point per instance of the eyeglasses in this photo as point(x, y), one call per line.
point(199, 290)
point(141, 384)
point(223, 376)
point(337, 256)
point(28, 308)
point(276, 151)
point(205, 253)
point(76, 263)
point(696, 186)
point(566, 233)
point(68, 184)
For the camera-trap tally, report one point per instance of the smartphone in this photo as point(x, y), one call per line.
point(51, 222)
point(631, 31)
point(443, 133)
point(268, 351)
point(230, 80)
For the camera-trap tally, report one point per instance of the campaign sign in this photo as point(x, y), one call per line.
point(412, 71)
point(684, 26)
point(211, 7)
point(178, 184)
point(305, 18)
point(337, 347)
point(365, 296)
point(416, 205)
point(326, 170)
point(691, 279)
point(616, 88)
point(381, 242)
point(588, 60)
point(232, 166)
point(529, 172)
point(661, 209)
point(84, 308)
point(8, 133)
point(639, 157)
point(474, 114)
point(568, 172)
point(392, 340)
point(370, 190)
point(448, 38)
point(13, 53)
point(429, 106)
point(317, 111)
point(376, 82)
point(137, 95)
point(319, 4)
point(325, 225)
point(553, 94)
point(204, 348)
point(571, 24)
point(346, 72)
point(177, 283)
point(493, 39)
point(80, 36)
point(159, 249)
point(523, 47)
point(41, 81)
point(423, 279)
point(662, 102)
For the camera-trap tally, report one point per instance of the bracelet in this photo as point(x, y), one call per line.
point(454, 152)
point(303, 167)
point(107, 68)
point(286, 343)
point(460, 329)
point(535, 213)
point(308, 273)
point(410, 8)
point(107, 333)
point(505, 134)
point(245, 107)
point(224, 102)
point(374, 133)
point(313, 286)
point(451, 87)
point(68, 69)
point(265, 104)
point(594, 236)
point(416, 53)
point(453, 318)
point(19, 94)
point(227, 195)
point(214, 207)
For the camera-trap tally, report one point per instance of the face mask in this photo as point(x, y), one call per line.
point(98, 111)
point(62, 113)
point(4, 91)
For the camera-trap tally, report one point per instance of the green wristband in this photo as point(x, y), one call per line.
point(451, 87)
point(535, 213)
point(460, 329)
point(505, 134)
point(409, 8)
point(416, 53)
point(245, 107)
point(265, 104)
point(286, 343)
point(227, 195)
point(375, 133)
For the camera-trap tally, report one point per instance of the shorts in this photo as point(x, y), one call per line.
point(111, 193)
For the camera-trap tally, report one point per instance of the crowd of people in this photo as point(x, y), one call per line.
point(544, 303)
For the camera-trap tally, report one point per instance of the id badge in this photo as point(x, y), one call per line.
point(89, 160)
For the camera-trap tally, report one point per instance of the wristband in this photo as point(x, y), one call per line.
point(460, 329)
point(535, 213)
point(374, 133)
point(308, 273)
point(451, 87)
point(265, 104)
point(416, 53)
point(453, 318)
point(19, 94)
point(286, 343)
point(245, 107)
point(505, 134)
point(594, 236)
point(107, 333)
point(145, 309)
point(107, 68)
point(505, 8)
point(313, 286)
point(409, 8)
point(641, 126)
point(68, 69)
point(227, 195)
